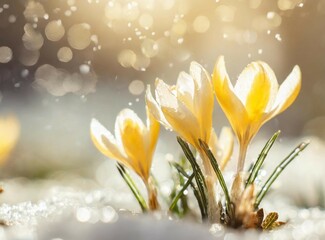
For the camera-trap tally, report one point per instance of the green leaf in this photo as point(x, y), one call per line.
point(129, 181)
point(218, 172)
point(199, 178)
point(260, 160)
point(277, 171)
point(194, 188)
point(181, 192)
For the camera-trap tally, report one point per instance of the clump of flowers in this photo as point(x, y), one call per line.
point(187, 108)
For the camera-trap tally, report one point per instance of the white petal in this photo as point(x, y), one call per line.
point(185, 89)
point(105, 141)
point(155, 109)
point(226, 145)
point(165, 96)
point(203, 99)
point(288, 91)
point(177, 114)
point(246, 80)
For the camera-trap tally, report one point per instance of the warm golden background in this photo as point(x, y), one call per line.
point(65, 62)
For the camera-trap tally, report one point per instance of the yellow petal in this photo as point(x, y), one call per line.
point(289, 90)
point(134, 137)
point(9, 133)
point(256, 87)
point(273, 83)
point(203, 99)
point(226, 146)
point(258, 98)
point(153, 127)
point(287, 94)
point(246, 80)
point(105, 141)
point(229, 102)
point(180, 118)
point(222, 147)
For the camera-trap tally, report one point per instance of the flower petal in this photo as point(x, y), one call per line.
point(289, 90)
point(226, 146)
point(203, 99)
point(273, 83)
point(105, 141)
point(185, 89)
point(256, 87)
point(154, 109)
point(153, 127)
point(230, 104)
point(134, 137)
point(180, 118)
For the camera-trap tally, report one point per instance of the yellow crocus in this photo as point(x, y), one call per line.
point(133, 145)
point(9, 133)
point(187, 109)
point(255, 99)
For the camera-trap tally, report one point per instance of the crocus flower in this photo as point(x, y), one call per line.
point(187, 108)
point(255, 99)
point(133, 145)
point(9, 132)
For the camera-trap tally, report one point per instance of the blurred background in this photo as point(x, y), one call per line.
point(65, 62)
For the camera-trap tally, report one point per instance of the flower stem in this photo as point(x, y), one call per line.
point(242, 156)
point(210, 179)
point(152, 195)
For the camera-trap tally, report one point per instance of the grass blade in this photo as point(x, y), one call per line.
point(278, 170)
point(217, 170)
point(194, 188)
point(127, 178)
point(181, 192)
point(260, 160)
point(199, 178)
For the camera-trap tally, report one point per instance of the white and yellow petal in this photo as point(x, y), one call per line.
point(180, 118)
point(226, 146)
point(185, 89)
point(153, 127)
point(203, 99)
point(134, 137)
point(105, 141)
point(229, 102)
point(256, 88)
point(222, 147)
point(155, 109)
point(289, 90)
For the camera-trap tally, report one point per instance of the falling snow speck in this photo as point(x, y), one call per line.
point(278, 37)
